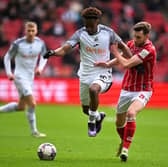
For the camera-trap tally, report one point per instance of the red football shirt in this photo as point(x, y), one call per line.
point(138, 81)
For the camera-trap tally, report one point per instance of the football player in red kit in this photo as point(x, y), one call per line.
point(137, 85)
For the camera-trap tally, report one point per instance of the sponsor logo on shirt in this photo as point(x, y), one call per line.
point(144, 53)
point(29, 56)
point(95, 50)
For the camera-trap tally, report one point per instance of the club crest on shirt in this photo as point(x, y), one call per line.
point(96, 39)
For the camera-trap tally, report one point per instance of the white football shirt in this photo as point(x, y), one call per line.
point(93, 48)
point(26, 56)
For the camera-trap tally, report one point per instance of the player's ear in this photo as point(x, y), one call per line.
point(36, 31)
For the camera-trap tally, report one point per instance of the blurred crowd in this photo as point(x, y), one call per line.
point(58, 19)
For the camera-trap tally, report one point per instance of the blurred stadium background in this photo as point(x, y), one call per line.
point(57, 21)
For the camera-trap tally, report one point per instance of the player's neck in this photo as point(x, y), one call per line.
point(29, 40)
point(141, 44)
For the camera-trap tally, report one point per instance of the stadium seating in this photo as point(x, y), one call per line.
point(3, 50)
point(52, 42)
point(12, 28)
point(156, 19)
point(46, 25)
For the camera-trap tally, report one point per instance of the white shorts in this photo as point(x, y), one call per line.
point(84, 90)
point(127, 97)
point(23, 86)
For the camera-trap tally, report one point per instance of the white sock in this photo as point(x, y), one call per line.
point(31, 116)
point(9, 107)
point(98, 117)
point(92, 116)
point(125, 150)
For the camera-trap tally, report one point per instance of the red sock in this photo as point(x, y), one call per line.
point(129, 133)
point(121, 132)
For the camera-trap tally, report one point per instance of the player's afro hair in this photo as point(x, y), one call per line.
point(91, 12)
point(144, 26)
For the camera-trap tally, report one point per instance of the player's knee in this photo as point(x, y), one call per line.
point(131, 114)
point(93, 90)
point(120, 123)
point(32, 105)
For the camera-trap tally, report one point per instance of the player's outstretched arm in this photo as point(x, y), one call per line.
point(58, 52)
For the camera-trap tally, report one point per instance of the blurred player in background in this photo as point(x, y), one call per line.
point(94, 42)
point(137, 84)
point(25, 51)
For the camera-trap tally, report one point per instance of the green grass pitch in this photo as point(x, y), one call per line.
point(66, 128)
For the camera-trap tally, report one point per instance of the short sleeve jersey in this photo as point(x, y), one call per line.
point(138, 81)
point(93, 48)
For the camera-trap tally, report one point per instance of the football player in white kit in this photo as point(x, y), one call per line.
point(94, 42)
point(25, 52)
